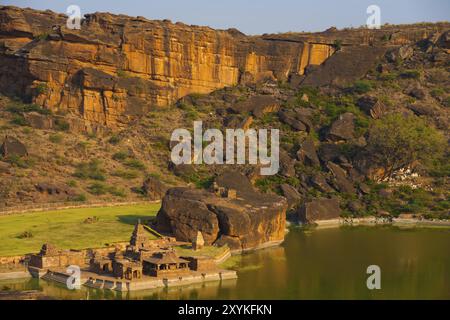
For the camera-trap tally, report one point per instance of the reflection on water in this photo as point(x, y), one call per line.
point(322, 264)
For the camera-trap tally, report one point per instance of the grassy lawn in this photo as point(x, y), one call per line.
point(66, 228)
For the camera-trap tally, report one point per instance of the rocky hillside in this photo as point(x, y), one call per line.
point(363, 114)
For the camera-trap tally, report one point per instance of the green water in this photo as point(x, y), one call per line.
point(317, 264)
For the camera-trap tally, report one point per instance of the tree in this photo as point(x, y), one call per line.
point(396, 141)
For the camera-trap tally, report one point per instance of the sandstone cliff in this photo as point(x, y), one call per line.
point(117, 67)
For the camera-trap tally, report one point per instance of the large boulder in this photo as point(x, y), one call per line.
point(291, 194)
point(307, 153)
point(343, 184)
point(246, 221)
point(343, 128)
point(319, 209)
point(183, 213)
point(12, 147)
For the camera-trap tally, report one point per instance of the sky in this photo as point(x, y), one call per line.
point(260, 16)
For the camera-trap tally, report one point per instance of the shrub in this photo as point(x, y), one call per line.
point(41, 88)
point(79, 198)
point(396, 141)
point(61, 125)
point(120, 156)
point(98, 189)
point(19, 120)
point(337, 44)
point(126, 174)
point(90, 170)
point(362, 86)
point(134, 163)
point(116, 192)
point(114, 139)
point(42, 36)
point(410, 74)
point(56, 138)
point(72, 183)
point(18, 161)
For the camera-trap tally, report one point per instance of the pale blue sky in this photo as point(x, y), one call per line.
point(260, 16)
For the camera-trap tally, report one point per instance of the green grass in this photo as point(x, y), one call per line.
point(66, 230)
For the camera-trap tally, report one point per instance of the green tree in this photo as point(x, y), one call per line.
point(396, 141)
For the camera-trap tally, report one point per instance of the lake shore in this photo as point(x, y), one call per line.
point(372, 221)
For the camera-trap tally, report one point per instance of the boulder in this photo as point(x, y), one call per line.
point(319, 209)
point(329, 152)
point(417, 93)
point(12, 147)
point(289, 119)
point(257, 105)
point(343, 128)
point(399, 54)
point(307, 153)
point(154, 189)
point(372, 106)
point(343, 184)
point(319, 182)
point(248, 221)
point(291, 194)
point(39, 121)
point(298, 119)
point(183, 213)
point(287, 165)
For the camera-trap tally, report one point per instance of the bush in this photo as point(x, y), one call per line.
point(114, 139)
point(72, 183)
point(41, 88)
point(410, 74)
point(56, 138)
point(120, 156)
point(396, 141)
point(18, 161)
point(337, 44)
point(61, 125)
point(18, 120)
point(90, 170)
point(362, 86)
point(134, 163)
point(126, 174)
point(79, 198)
point(98, 189)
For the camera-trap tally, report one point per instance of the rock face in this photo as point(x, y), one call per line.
point(250, 220)
point(319, 209)
point(116, 67)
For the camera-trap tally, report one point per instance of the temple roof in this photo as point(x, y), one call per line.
point(165, 258)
